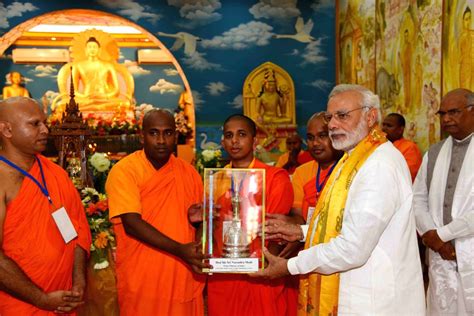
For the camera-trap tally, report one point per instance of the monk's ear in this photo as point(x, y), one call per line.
point(5, 129)
point(255, 143)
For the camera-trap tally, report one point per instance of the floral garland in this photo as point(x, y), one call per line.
point(103, 238)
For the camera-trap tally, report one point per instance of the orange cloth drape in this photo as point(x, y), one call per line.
point(32, 239)
point(412, 155)
point(235, 294)
point(150, 281)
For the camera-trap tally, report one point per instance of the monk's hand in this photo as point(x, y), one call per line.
point(447, 251)
point(431, 240)
point(291, 249)
point(280, 227)
point(276, 268)
point(195, 215)
point(57, 301)
point(192, 254)
point(77, 291)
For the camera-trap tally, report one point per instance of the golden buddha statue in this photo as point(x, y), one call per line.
point(270, 103)
point(15, 89)
point(269, 99)
point(101, 84)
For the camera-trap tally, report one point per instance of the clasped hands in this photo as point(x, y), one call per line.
point(62, 302)
point(445, 249)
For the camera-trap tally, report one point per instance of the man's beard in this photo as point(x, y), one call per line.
point(351, 138)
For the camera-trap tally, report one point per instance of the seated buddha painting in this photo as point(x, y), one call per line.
point(101, 84)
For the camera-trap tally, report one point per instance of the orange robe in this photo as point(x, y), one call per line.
point(412, 155)
point(238, 294)
point(32, 239)
point(150, 281)
point(303, 157)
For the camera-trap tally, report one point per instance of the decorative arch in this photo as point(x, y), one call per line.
point(102, 18)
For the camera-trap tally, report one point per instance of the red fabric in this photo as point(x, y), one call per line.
point(234, 294)
point(304, 157)
point(32, 239)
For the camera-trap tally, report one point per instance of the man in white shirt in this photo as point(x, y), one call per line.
point(443, 206)
point(361, 254)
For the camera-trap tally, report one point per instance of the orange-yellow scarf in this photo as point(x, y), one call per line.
point(318, 293)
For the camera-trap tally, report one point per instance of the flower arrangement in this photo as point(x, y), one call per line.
point(100, 164)
point(101, 126)
point(208, 158)
point(183, 127)
point(97, 213)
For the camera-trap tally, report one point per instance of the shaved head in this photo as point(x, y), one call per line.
point(15, 107)
point(157, 114)
point(23, 125)
point(317, 116)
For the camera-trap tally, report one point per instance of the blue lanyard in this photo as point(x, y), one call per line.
point(43, 187)
point(319, 187)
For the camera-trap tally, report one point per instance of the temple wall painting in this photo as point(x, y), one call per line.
point(403, 60)
point(458, 45)
point(232, 38)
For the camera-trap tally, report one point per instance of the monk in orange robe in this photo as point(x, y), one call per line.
point(40, 272)
point(394, 125)
point(294, 156)
point(150, 192)
point(237, 294)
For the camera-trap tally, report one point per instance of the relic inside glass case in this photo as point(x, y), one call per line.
point(234, 208)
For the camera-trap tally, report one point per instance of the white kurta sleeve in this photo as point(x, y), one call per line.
point(424, 221)
point(459, 227)
point(372, 201)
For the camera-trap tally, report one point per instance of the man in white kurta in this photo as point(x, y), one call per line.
point(444, 210)
point(376, 251)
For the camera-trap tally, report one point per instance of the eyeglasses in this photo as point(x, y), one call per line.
point(453, 112)
point(341, 115)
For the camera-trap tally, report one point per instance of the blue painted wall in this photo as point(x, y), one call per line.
point(237, 37)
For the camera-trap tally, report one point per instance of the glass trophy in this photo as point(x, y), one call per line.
point(234, 213)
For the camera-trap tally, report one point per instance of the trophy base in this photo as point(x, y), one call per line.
point(235, 252)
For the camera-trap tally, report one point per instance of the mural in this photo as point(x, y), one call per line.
point(458, 45)
point(216, 44)
point(394, 48)
point(408, 65)
point(356, 34)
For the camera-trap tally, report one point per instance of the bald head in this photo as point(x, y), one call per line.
point(159, 115)
point(11, 107)
point(317, 117)
point(23, 125)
